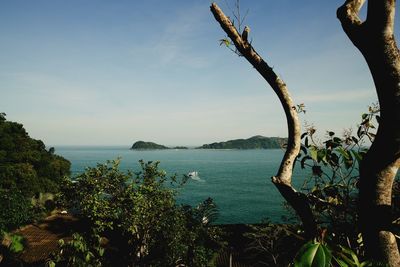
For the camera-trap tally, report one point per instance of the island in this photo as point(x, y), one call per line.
point(255, 142)
point(142, 145)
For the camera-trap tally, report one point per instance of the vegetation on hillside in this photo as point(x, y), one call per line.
point(26, 170)
point(142, 145)
point(255, 142)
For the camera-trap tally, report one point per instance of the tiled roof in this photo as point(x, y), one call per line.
point(42, 238)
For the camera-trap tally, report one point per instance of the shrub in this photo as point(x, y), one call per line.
point(138, 216)
point(15, 209)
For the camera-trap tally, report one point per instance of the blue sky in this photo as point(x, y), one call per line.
point(114, 72)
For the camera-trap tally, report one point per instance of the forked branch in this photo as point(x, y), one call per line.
point(283, 178)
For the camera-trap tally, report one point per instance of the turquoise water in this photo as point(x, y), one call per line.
point(238, 180)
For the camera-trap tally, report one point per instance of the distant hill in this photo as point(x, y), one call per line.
point(255, 142)
point(141, 145)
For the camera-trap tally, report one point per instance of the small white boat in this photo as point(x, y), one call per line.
point(193, 174)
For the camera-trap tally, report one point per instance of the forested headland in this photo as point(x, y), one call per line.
point(27, 169)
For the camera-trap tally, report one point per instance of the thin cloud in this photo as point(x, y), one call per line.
point(176, 42)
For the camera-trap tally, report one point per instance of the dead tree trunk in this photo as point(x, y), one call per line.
point(375, 39)
point(283, 180)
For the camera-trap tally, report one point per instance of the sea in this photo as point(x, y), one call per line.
point(239, 181)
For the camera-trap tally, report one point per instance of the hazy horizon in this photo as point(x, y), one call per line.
point(112, 72)
point(168, 145)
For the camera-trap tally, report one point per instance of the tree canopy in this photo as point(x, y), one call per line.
point(25, 164)
point(26, 169)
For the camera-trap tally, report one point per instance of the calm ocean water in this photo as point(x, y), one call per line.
point(238, 180)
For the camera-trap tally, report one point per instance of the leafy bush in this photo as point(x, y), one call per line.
point(332, 186)
point(79, 252)
point(15, 209)
point(138, 216)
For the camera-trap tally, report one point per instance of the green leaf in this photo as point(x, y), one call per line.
point(101, 251)
point(346, 252)
point(344, 153)
point(357, 156)
point(314, 153)
point(313, 254)
point(364, 116)
point(225, 41)
point(321, 155)
point(306, 255)
point(331, 133)
point(327, 255)
point(340, 262)
point(16, 243)
point(87, 258)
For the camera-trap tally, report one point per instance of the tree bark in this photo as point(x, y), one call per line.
point(375, 39)
point(283, 179)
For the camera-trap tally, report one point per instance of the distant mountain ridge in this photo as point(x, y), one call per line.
point(255, 142)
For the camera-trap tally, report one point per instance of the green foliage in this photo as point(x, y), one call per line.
point(226, 42)
point(11, 245)
point(79, 252)
point(138, 215)
point(301, 108)
point(345, 257)
point(25, 164)
point(26, 169)
point(15, 209)
point(255, 142)
point(313, 254)
point(17, 243)
point(332, 185)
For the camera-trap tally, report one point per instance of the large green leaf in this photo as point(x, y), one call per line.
point(313, 254)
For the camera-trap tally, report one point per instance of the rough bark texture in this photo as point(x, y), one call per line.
point(284, 176)
point(375, 39)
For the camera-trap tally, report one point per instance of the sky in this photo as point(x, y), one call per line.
point(101, 72)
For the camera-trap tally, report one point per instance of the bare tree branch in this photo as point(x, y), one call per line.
point(283, 178)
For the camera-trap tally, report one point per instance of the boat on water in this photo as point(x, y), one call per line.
point(193, 174)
